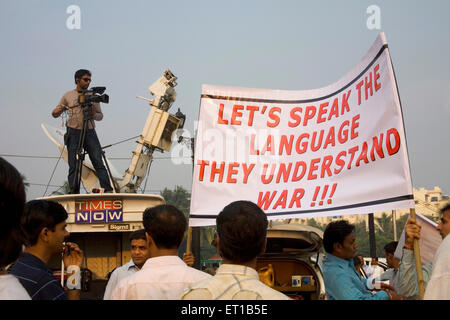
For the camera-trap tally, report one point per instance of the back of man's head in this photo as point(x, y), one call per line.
point(12, 203)
point(336, 232)
point(40, 214)
point(166, 225)
point(444, 208)
point(242, 230)
point(390, 247)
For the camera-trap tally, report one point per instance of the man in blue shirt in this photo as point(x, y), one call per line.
point(342, 281)
point(44, 223)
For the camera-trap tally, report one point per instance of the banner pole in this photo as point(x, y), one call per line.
point(394, 219)
point(372, 239)
point(62, 273)
point(189, 240)
point(412, 212)
point(194, 232)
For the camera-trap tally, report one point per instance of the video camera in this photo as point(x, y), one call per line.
point(94, 95)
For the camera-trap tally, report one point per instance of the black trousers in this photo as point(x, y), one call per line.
point(93, 148)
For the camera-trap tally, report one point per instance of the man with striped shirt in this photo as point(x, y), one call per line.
point(44, 223)
point(242, 230)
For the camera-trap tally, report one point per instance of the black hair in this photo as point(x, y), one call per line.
point(357, 261)
point(80, 73)
point(12, 202)
point(138, 235)
point(242, 230)
point(166, 225)
point(336, 232)
point(390, 247)
point(40, 214)
point(445, 208)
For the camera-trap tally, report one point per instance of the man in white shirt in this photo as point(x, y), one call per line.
point(375, 268)
point(391, 274)
point(139, 254)
point(436, 274)
point(365, 268)
point(12, 203)
point(164, 275)
point(438, 287)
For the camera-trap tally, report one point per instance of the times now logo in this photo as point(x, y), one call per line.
point(98, 211)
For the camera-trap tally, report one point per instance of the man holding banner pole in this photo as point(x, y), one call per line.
point(436, 274)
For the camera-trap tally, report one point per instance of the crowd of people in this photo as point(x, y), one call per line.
point(32, 232)
point(348, 277)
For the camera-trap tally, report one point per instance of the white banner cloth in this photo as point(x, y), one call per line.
point(336, 150)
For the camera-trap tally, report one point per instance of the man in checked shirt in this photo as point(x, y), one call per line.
point(241, 229)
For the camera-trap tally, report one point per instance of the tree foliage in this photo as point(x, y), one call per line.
point(179, 197)
point(384, 233)
point(313, 223)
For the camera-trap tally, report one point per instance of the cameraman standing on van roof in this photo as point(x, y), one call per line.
point(70, 102)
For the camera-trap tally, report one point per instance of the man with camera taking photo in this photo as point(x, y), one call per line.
point(74, 102)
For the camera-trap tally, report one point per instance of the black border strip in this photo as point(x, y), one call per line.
point(403, 119)
point(207, 96)
point(357, 205)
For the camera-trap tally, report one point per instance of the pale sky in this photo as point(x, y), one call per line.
point(290, 45)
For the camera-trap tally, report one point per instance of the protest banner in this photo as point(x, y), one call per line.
point(336, 150)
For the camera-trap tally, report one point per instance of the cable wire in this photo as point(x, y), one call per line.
point(113, 144)
point(112, 158)
point(146, 179)
point(54, 169)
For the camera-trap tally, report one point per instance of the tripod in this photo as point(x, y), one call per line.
point(81, 153)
